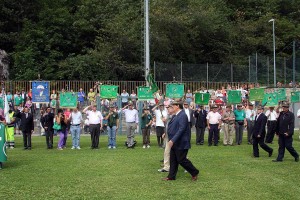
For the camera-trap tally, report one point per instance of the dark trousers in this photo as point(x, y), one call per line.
point(27, 139)
point(200, 135)
point(238, 133)
point(213, 132)
point(146, 135)
point(286, 143)
point(95, 133)
point(260, 141)
point(178, 157)
point(250, 125)
point(49, 138)
point(270, 131)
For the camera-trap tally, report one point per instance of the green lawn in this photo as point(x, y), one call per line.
point(225, 173)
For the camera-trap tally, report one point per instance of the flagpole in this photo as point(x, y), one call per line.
point(147, 41)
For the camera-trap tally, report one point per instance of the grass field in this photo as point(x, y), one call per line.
point(226, 172)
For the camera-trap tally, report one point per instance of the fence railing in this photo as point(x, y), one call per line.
point(74, 85)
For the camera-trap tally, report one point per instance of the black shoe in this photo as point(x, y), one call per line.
point(1, 166)
point(270, 153)
point(209, 145)
point(25, 148)
point(161, 160)
point(297, 159)
point(255, 156)
point(29, 148)
point(276, 160)
point(215, 144)
point(201, 143)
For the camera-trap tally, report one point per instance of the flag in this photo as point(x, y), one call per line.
point(109, 91)
point(3, 156)
point(202, 98)
point(6, 110)
point(270, 99)
point(1, 103)
point(40, 92)
point(234, 96)
point(145, 93)
point(152, 83)
point(281, 94)
point(68, 100)
point(295, 97)
point(256, 94)
point(174, 90)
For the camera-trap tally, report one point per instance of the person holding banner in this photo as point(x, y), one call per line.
point(3, 156)
point(27, 126)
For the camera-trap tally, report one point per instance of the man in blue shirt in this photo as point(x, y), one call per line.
point(81, 96)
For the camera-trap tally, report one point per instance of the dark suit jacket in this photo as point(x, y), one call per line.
point(285, 123)
point(200, 116)
point(47, 121)
point(179, 131)
point(27, 124)
point(259, 127)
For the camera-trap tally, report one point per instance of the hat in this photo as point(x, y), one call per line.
point(260, 107)
point(161, 104)
point(214, 106)
point(239, 105)
point(176, 102)
point(285, 104)
point(250, 104)
point(111, 105)
point(228, 106)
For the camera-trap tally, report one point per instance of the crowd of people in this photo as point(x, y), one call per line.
point(217, 115)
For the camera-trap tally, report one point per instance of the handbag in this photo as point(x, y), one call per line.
point(56, 126)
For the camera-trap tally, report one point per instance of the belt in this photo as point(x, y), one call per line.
point(130, 122)
point(94, 124)
point(75, 125)
point(271, 120)
point(229, 123)
point(213, 124)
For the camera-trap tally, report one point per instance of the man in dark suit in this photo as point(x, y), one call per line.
point(259, 133)
point(27, 127)
point(179, 133)
point(200, 116)
point(190, 114)
point(285, 131)
point(47, 123)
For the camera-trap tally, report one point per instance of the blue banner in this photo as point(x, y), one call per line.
point(40, 92)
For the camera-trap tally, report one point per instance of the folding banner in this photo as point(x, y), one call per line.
point(295, 97)
point(1, 103)
point(68, 100)
point(257, 94)
point(234, 96)
point(40, 92)
point(174, 90)
point(281, 94)
point(145, 93)
point(109, 91)
point(202, 98)
point(3, 156)
point(270, 99)
point(152, 84)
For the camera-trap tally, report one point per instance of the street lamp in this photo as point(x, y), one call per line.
point(274, 56)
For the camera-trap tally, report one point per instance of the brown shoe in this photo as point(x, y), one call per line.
point(168, 179)
point(195, 178)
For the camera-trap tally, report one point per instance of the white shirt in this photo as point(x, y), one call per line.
point(298, 113)
point(76, 118)
point(248, 114)
point(213, 118)
point(187, 112)
point(159, 115)
point(94, 117)
point(272, 116)
point(131, 115)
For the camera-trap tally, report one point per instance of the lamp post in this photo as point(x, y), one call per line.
point(274, 51)
point(147, 41)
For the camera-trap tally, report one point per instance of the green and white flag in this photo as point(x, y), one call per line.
point(68, 100)
point(1, 103)
point(145, 93)
point(256, 94)
point(3, 156)
point(281, 94)
point(152, 84)
point(234, 96)
point(295, 97)
point(174, 90)
point(109, 91)
point(202, 98)
point(270, 99)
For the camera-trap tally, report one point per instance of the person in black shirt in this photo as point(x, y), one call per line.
point(47, 123)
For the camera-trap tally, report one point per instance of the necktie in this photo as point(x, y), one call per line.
point(172, 118)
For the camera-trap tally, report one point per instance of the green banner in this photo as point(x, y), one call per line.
point(174, 90)
point(152, 83)
point(270, 99)
point(281, 94)
point(3, 156)
point(68, 100)
point(1, 103)
point(295, 97)
point(145, 93)
point(234, 96)
point(257, 94)
point(202, 98)
point(109, 91)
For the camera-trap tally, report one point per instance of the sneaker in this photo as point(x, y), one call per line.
point(59, 148)
point(12, 147)
point(73, 147)
point(162, 170)
point(114, 147)
point(148, 146)
point(144, 146)
point(109, 147)
point(78, 148)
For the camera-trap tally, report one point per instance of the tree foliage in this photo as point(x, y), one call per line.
point(103, 39)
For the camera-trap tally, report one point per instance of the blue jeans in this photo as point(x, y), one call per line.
point(111, 132)
point(75, 132)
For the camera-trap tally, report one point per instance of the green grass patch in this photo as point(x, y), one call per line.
point(226, 172)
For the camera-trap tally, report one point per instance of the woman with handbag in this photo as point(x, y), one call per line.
point(60, 125)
